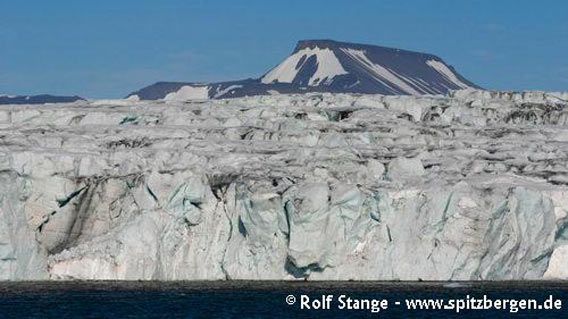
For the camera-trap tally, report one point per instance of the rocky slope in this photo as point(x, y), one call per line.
point(319, 186)
point(330, 66)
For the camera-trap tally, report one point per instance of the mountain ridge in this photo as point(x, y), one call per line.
point(38, 99)
point(328, 43)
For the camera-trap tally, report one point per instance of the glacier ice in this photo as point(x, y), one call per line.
point(470, 186)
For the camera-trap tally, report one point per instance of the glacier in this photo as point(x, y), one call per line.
point(318, 186)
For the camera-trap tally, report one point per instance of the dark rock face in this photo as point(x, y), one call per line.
point(336, 67)
point(38, 99)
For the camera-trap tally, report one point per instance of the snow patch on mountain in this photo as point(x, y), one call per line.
point(188, 92)
point(445, 71)
point(382, 74)
point(230, 89)
point(327, 67)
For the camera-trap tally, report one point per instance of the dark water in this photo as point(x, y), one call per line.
point(264, 299)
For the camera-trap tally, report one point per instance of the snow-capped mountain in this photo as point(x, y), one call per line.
point(349, 67)
point(331, 66)
point(37, 99)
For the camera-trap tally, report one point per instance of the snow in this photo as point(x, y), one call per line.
point(328, 66)
point(316, 186)
point(131, 100)
point(220, 93)
point(385, 76)
point(557, 267)
point(447, 73)
point(188, 92)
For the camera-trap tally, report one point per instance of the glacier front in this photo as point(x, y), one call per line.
point(470, 186)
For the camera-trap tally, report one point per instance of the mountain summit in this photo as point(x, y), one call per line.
point(331, 66)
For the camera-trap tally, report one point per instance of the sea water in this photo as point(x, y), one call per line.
point(283, 299)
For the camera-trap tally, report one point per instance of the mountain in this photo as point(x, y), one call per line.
point(37, 99)
point(330, 66)
point(360, 68)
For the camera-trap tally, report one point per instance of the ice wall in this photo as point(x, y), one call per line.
point(318, 187)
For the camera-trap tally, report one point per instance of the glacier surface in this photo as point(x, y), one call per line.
point(470, 186)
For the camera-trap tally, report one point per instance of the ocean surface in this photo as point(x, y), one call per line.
point(280, 299)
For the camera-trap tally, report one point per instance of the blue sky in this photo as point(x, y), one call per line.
point(106, 49)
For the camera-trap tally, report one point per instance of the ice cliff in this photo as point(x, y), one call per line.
point(468, 186)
